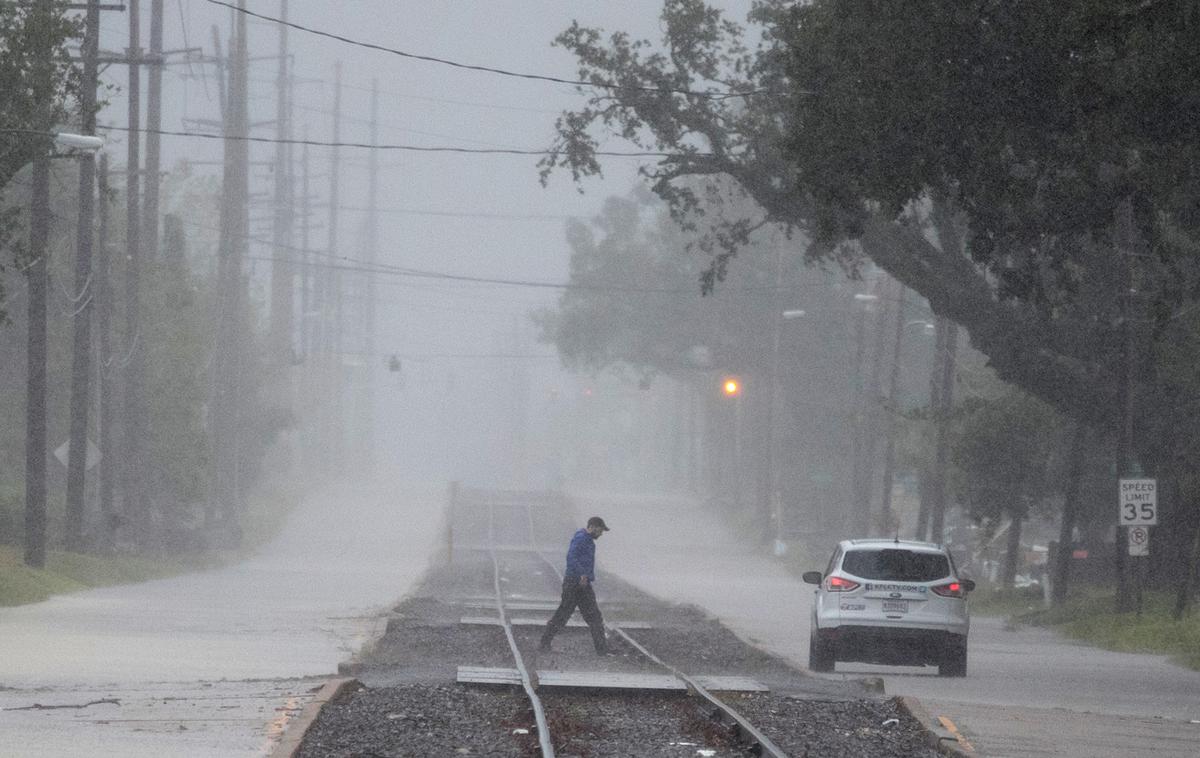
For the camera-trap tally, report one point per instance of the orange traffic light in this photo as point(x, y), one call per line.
point(731, 386)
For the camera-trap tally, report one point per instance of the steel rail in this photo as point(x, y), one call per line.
point(747, 729)
point(527, 683)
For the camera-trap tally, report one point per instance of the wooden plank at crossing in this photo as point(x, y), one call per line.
point(532, 605)
point(606, 680)
point(574, 622)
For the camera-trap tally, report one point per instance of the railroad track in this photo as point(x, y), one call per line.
point(514, 538)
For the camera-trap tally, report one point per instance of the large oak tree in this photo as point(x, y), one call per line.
point(1030, 168)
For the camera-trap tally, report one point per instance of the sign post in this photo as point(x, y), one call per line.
point(1137, 510)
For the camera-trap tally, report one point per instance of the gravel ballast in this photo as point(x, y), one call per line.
point(410, 705)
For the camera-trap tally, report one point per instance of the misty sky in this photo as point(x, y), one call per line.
point(511, 227)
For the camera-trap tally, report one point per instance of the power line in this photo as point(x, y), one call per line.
point(424, 98)
point(359, 266)
point(489, 69)
point(369, 146)
point(462, 214)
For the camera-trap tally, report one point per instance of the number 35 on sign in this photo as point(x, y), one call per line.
point(1138, 499)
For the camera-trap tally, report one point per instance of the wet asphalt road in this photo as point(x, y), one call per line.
point(214, 663)
point(1028, 692)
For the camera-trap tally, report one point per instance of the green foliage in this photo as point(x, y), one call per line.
point(38, 80)
point(71, 572)
point(634, 298)
point(36, 77)
point(1003, 453)
point(1036, 116)
point(993, 600)
point(12, 504)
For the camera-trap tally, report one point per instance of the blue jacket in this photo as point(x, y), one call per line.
point(581, 556)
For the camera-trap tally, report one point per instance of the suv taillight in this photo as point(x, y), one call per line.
point(838, 584)
point(953, 589)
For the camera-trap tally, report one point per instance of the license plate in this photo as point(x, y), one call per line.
point(895, 606)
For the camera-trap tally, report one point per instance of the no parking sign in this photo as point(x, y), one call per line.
point(1139, 540)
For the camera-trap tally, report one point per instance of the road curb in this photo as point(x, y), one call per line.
point(939, 737)
point(293, 737)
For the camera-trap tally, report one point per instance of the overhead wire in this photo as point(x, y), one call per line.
point(460, 214)
point(489, 69)
point(357, 265)
point(370, 146)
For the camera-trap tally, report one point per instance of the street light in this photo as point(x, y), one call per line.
point(731, 386)
point(83, 142)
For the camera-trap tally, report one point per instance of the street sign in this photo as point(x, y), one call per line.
point(90, 458)
point(1138, 502)
point(1139, 540)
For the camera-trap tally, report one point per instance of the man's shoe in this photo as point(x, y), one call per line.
point(606, 653)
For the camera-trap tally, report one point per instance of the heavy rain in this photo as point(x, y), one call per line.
point(532, 378)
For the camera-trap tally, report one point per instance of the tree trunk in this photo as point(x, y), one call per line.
point(38, 273)
point(1012, 553)
point(1062, 557)
point(1190, 559)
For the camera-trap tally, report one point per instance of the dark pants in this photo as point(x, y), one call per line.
point(581, 597)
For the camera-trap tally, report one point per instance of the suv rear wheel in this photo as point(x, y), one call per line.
point(820, 652)
point(954, 662)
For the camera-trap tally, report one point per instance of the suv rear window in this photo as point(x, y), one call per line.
point(895, 564)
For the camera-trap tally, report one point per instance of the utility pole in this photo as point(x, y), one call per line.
point(774, 411)
point(38, 273)
point(135, 504)
point(153, 126)
point(282, 270)
point(331, 316)
point(84, 291)
point(366, 411)
point(874, 406)
point(103, 290)
point(935, 393)
point(228, 354)
point(306, 277)
point(861, 465)
point(886, 519)
point(937, 513)
point(1124, 449)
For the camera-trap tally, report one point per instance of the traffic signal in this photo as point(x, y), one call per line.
point(731, 386)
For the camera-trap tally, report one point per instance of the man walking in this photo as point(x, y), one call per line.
point(577, 587)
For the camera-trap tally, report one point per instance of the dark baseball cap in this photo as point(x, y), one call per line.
point(597, 521)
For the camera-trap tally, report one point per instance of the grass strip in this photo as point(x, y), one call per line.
point(1090, 618)
point(71, 572)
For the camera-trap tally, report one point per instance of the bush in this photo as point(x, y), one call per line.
point(12, 524)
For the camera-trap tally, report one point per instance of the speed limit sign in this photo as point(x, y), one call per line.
point(1138, 502)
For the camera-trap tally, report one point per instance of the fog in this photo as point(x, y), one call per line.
point(473, 375)
point(486, 326)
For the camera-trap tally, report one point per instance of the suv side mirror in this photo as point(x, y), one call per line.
point(968, 585)
point(812, 577)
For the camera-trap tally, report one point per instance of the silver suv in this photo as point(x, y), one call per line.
point(890, 602)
